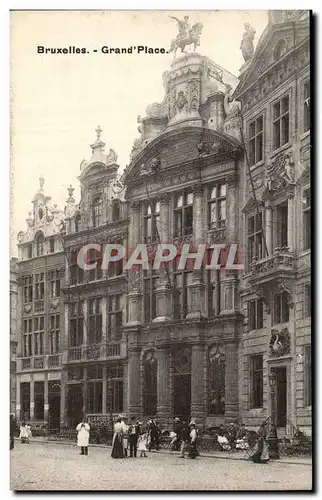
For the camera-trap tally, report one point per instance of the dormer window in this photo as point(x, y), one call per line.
point(97, 212)
point(40, 244)
point(280, 50)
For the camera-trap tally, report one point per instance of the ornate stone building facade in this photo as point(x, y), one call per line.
point(220, 160)
point(183, 327)
point(41, 266)
point(94, 377)
point(275, 292)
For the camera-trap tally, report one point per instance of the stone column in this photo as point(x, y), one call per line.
point(231, 208)
point(197, 384)
point(134, 382)
point(32, 398)
point(85, 323)
point(216, 120)
point(46, 405)
point(134, 276)
point(104, 391)
point(84, 388)
point(18, 400)
point(290, 222)
point(63, 398)
point(196, 290)
point(269, 228)
point(125, 388)
point(163, 377)
point(231, 381)
point(163, 292)
point(229, 292)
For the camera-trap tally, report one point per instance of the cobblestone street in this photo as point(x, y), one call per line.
point(40, 466)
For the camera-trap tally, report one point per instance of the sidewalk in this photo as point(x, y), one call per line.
point(218, 454)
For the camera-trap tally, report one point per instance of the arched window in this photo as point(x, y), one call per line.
point(150, 366)
point(77, 222)
point(280, 49)
point(40, 244)
point(97, 211)
point(216, 381)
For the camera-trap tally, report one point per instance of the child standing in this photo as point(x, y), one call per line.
point(142, 444)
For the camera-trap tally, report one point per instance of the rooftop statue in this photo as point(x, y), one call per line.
point(187, 35)
point(247, 43)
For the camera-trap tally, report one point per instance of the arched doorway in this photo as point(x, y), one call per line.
point(150, 367)
point(182, 382)
point(75, 405)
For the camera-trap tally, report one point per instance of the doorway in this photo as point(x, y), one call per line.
point(182, 396)
point(54, 405)
point(75, 405)
point(281, 396)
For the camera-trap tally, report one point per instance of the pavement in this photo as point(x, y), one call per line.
point(49, 466)
point(235, 455)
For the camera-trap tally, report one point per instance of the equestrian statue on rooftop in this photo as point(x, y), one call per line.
point(187, 35)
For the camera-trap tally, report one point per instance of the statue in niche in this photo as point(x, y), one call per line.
point(247, 43)
point(288, 171)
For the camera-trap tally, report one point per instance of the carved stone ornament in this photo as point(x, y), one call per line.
point(27, 308)
point(280, 173)
point(54, 303)
point(283, 286)
point(111, 157)
point(181, 100)
point(280, 343)
point(134, 279)
point(206, 148)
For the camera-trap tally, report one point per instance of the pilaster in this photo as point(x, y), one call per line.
point(163, 377)
point(232, 211)
point(134, 381)
point(104, 391)
point(18, 400)
point(231, 381)
point(32, 398)
point(46, 405)
point(197, 383)
point(268, 228)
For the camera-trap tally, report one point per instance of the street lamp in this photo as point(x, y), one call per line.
point(272, 438)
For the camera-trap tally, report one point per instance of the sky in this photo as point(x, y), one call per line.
point(58, 100)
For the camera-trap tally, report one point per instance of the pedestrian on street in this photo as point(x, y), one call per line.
point(193, 452)
point(133, 433)
point(154, 434)
point(25, 433)
point(117, 443)
point(260, 453)
point(185, 438)
point(125, 436)
point(142, 444)
point(83, 430)
point(13, 428)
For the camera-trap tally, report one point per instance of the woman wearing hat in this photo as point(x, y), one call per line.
point(193, 452)
point(117, 443)
point(260, 454)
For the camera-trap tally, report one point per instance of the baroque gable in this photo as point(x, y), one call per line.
point(274, 61)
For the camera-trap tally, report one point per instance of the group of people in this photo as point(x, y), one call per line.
point(24, 433)
point(136, 436)
point(184, 438)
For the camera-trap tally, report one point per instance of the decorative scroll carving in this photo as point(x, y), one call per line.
point(280, 343)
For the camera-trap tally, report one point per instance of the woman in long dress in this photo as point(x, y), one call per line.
point(260, 454)
point(117, 443)
point(193, 452)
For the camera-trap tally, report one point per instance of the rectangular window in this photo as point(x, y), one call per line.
point(76, 272)
point(256, 381)
point(94, 397)
point(256, 134)
point(307, 376)
point(54, 329)
point(281, 123)
point(29, 251)
point(307, 300)
point(27, 289)
point(39, 328)
point(27, 338)
point(255, 314)
point(281, 308)
point(182, 297)
point(94, 321)
point(76, 324)
point(281, 225)
point(217, 206)
point(183, 215)
point(39, 400)
point(115, 268)
point(307, 107)
point(114, 317)
point(151, 222)
point(93, 257)
point(115, 389)
point(255, 237)
point(307, 219)
point(51, 245)
point(54, 280)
